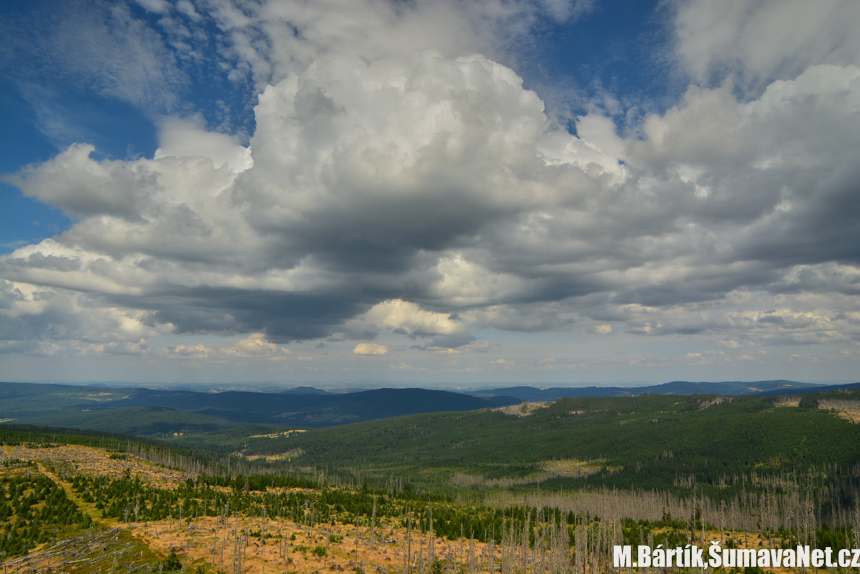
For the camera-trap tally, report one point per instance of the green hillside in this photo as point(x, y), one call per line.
point(140, 421)
point(641, 442)
point(109, 409)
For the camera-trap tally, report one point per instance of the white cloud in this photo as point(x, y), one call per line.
point(476, 215)
point(122, 56)
point(761, 41)
point(256, 347)
point(81, 187)
point(41, 320)
point(185, 139)
point(158, 6)
point(467, 283)
point(407, 318)
point(370, 349)
point(702, 130)
point(264, 35)
point(399, 183)
point(562, 10)
point(602, 329)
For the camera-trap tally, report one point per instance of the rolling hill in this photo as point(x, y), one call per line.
point(777, 387)
point(627, 442)
point(147, 411)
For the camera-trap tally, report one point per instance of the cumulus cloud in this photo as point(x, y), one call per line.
point(43, 320)
point(760, 41)
point(406, 318)
point(370, 349)
point(254, 347)
point(152, 53)
point(602, 329)
point(395, 184)
point(264, 35)
point(184, 139)
point(80, 187)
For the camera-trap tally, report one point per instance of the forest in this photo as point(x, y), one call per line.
point(539, 488)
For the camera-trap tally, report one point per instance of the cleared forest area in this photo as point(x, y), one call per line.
point(113, 504)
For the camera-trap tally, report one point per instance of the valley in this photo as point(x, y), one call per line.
point(537, 488)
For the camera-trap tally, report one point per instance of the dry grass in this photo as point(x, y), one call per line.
point(287, 455)
point(262, 545)
point(792, 402)
point(85, 552)
point(209, 540)
point(572, 468)
point(278, 434)
point(550, 469)
point(90, 460)
point(846, 409)
point(523, 409)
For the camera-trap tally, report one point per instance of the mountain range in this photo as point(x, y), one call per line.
point(165, 412)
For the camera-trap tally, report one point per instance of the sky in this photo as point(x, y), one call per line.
point(429, 192)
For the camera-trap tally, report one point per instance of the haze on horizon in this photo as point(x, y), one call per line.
point(552, 192)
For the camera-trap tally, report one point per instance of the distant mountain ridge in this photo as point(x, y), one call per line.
point(527, 393)
point(91, 407)
point(163, 412)
point(305, 390)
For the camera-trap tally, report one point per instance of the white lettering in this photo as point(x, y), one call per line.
point(789, 560)
point(729, 558)
point(670, 553)
point(698, 558)
point(775, 557)
point(746, 557)
point(692, 556)
point(817, 558)
point(716, 558)
point(621, 557)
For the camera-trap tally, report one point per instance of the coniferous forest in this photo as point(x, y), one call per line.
point(532, 488)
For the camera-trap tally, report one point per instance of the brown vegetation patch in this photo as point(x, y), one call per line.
point(570, 467)
point(89, 551)
point(288, 455)
point(523, 409)
point(704, 404)
point(786, 402)
point(278, 434)
point(257, 546)
point(848, 410)
point(550, 469)
point(94, 461)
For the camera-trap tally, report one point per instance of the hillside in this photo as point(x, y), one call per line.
point(87, 505)
point(527, 393)
point(628, 442)
point(162, 412)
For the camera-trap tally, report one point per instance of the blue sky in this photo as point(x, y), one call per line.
point(433, 192)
